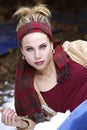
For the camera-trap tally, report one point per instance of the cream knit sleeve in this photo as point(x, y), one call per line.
point(77, 51)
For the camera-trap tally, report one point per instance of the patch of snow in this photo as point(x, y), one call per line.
point(54, 123)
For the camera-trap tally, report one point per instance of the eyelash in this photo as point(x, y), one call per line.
point(29, 49)
point(41, 47)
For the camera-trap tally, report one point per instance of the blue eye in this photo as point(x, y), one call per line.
point(29, 49)
point(43, 46)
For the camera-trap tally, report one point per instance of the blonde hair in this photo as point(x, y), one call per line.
point(38, 13)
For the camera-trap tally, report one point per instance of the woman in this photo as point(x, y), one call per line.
point(47, 80)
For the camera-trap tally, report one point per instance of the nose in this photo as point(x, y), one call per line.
point(37, 54)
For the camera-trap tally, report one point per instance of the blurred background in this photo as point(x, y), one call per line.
point(69, 21)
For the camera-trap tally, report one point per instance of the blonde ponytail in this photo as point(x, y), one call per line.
point(38, 13)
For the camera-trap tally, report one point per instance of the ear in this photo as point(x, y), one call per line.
point(51, 45)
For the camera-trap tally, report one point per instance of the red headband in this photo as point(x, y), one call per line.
point(33, 27)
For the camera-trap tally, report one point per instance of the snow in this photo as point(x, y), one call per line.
point(54, 123)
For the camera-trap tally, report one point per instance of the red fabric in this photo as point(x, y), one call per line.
point(60, 57)
point(71, 92)
point(26, 99)
point(33, 27)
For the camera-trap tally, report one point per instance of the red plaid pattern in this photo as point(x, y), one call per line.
point(33, 27)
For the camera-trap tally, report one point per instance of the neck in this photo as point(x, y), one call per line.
point(48, 70)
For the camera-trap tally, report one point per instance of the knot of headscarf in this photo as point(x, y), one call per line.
point(33, 27)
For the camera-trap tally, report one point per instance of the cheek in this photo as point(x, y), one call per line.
point(48, 55)
point(49, 52)
point(28, 57)
point(29, 60)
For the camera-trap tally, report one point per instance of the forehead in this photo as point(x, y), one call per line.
point(35, 38)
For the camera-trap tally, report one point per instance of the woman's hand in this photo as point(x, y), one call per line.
point(9, 117)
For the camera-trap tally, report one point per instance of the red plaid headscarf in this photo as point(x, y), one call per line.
point(33, 27)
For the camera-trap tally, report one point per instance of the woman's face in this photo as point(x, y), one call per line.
point(37, 49)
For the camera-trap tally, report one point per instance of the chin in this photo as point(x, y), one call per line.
point(40, 68)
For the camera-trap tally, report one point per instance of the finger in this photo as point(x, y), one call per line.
point(12, 118)
point(9, 115)
point(5, 115)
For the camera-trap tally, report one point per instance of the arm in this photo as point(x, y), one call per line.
point(9, 117)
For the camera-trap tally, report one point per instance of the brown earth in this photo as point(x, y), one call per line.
point(8, 64)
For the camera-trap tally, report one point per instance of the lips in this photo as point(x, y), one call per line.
point(39, 63)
